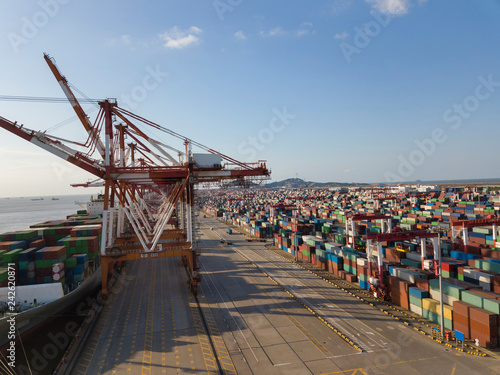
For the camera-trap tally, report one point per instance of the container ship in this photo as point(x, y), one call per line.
point(54, 265)
point(332, 230)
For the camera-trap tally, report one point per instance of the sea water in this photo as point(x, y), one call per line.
point(21, 212)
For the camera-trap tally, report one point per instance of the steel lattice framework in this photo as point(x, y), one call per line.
point(148, 190)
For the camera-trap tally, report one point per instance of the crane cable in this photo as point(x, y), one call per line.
point(43, 99)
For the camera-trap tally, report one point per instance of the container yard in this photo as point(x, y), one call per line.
point(317, 227)
point(255, 311)
point(187, 261)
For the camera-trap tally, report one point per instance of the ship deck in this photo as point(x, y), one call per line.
point(252, 317)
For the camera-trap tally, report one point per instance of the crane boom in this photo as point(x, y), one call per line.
point(82, 116)
point(53, 146)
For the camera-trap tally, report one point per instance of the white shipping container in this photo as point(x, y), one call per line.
point(478, 275)
point(448, 300)
point(362, 261)
point(407, 275)
point(415, 309)
point(414, 256)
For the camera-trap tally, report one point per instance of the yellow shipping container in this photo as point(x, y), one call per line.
point(433, 305)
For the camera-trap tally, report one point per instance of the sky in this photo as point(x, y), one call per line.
point(342, 90)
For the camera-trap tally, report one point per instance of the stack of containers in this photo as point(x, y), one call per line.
point(416, 297)
point(451, 292)
point(474, 276)
point(53, 234)
point(399, 292)
point(321, 260)
point(45, 259)
point(484, 327)
point(335, 263)
point(86, 231)
point(69, 266)
point(82, 264)
point(476, 323)
point(491, 265)
point(461, 317)
point(58, 273)
point(431, 310)
point(22, 238)
point(350, 256)
point(483, 316)
point(27, 267)
point(406, 274)
point(11, 256)
point(81, 245)
point(362, 271)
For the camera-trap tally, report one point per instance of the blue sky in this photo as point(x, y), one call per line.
point(344, 90)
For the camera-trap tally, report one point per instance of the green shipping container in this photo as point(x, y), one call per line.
point(416, 301)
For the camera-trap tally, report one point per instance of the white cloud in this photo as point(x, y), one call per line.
point(277, 31)
point(341, 36)
point(123, 39)
point(176, 38)
point(239, 35)
point(304, 29)
point(392, 7)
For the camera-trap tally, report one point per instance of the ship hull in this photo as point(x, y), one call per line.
point(31, 320)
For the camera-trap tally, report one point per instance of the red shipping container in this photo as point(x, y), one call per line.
point(329, 266)
point(336, 268)
point(461, 323)
point(483, 329)
point(449, 267)
point(422, 284)
point(38, 244)
point(350, 277)
point(462, 308)
point(483, 316)
point(54, 252)
point(6, 245)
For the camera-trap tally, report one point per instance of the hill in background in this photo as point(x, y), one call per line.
point(298, 183)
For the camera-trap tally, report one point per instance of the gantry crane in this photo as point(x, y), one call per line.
point(464, 225)
point(144, 186)
point(379, 288)
point(351, 219)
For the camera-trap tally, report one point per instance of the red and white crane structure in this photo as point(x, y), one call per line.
point(386, 222)
point(145, 187)
point(375, 240)
point(464, 225)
